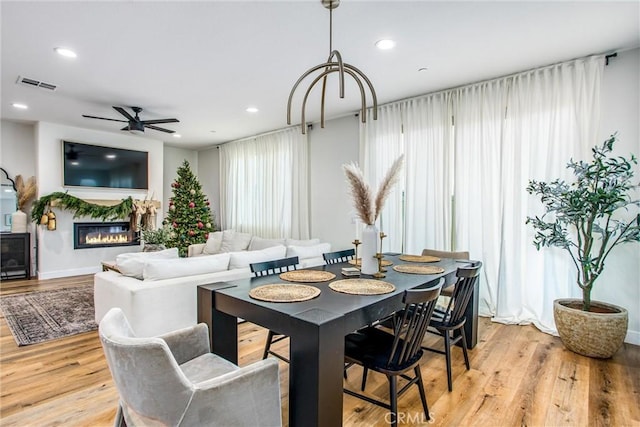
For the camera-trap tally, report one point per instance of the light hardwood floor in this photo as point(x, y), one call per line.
point(519, 377)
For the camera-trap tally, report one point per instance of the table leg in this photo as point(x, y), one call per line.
point(223, 328)
point(316, 375)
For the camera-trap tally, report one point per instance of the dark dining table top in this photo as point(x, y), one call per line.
point(358, 310)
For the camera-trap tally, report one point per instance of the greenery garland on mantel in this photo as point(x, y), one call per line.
point(81, 208)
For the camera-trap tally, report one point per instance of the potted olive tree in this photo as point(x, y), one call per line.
point(588, 218)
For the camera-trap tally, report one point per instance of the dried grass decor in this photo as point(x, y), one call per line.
point(367, 208)
point(25, 190)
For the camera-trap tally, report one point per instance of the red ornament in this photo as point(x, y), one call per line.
point(200, 225)
point(170, 202)
point(192, 233)
point(192, 205)
point(208, 203)
point(206, 235)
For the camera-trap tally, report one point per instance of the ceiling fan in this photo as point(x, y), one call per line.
point(134, 123)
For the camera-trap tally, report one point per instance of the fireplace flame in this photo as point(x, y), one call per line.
point(110, 238)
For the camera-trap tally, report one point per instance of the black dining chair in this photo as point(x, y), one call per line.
point(395, 353)
point(339, 256)
point(267, 268)
point(447, 289)
point(449, 322)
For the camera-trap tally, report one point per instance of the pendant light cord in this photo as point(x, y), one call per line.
point(330, 28)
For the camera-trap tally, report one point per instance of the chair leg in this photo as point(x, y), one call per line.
point(364, 378)
point(423, 395)
point(447, 355)
point(267, 345)
point(464, 349)
point(119, 420)
point(393, 399)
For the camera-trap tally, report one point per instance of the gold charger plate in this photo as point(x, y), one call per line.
point(358, 262)
point(362, 286)
point(284, 292)
point(307, 276)
point(419, 258)
point(418, 269)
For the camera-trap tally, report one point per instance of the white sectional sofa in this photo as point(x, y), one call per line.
point(158, 291)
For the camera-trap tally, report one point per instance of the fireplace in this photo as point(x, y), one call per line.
point(103, 234)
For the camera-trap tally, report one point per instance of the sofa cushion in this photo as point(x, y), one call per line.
point(132, 264)
point(294, 242)
point(233, 241)
point(158, 269)
point(243, 259)
point(258, 243)
point(304, 252)
point(214, 243)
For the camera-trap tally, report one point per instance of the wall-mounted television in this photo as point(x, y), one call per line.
point(97, 166)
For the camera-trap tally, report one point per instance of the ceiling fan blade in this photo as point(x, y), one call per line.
point(125, 113)
point(158, 121)
point(127, 128)
point(104, 118)
point(160, 129)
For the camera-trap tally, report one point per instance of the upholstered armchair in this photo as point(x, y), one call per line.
point(174, 380)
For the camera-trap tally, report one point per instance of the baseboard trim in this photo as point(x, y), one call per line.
point(633, 337)
point(67, 273)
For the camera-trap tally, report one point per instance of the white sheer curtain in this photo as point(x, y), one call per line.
point(429, 172)
point(505, 132)
point(380, 144)
point(264, 185)
point(553, 116)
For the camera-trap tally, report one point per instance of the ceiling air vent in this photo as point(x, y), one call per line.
point(36, 83)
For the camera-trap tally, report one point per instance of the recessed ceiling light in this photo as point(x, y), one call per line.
point(177, 135)
point(19, 106)
point(110, 156)
point(385, 44)
point(423, 69)
point(65, 52)
point(212, 131)
point(252, 110)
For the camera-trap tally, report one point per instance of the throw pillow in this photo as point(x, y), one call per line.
point(157, 269)
point(233, 241)
point(132, 264)
point(214, 242)
point(304, 252)
point(258, 243)
point(310, 242)
point(243, 259)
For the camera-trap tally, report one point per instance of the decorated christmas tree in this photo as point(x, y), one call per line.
point(189, 216)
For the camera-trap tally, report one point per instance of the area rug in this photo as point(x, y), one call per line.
point(41, 316)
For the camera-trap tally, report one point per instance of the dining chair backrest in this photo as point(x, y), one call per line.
point(276, 266)
point(339, 256)
point(446, 254)
point(467, 278)
point(410, 330)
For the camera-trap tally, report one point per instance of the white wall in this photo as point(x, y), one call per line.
point(332, 215)
point(209, 177)
point(620, 281)
point(56, 255)
point(173, 159)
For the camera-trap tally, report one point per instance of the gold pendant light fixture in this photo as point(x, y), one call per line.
point(333, 65)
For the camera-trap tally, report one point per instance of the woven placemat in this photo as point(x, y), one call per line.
point(362, 286)
point(358, 262)
point(419, 258)
point(307, 276)
point(284, 292)
point(418, 269)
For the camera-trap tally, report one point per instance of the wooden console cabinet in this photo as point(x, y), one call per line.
point(15, 258)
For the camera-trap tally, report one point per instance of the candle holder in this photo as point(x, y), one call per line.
point(379, 274)
point(382, 236)
point(356, 243)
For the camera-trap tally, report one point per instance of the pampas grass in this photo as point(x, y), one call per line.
point(360, 192)
point(25, 191)
point(366, 207)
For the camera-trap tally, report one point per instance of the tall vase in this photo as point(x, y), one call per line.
point(18, 222)
point(369, 248)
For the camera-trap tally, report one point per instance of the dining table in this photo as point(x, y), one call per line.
point(316, 328)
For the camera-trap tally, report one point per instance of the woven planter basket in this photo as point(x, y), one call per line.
point(591, 334)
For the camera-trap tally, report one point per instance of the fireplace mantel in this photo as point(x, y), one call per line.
point(105, 202)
